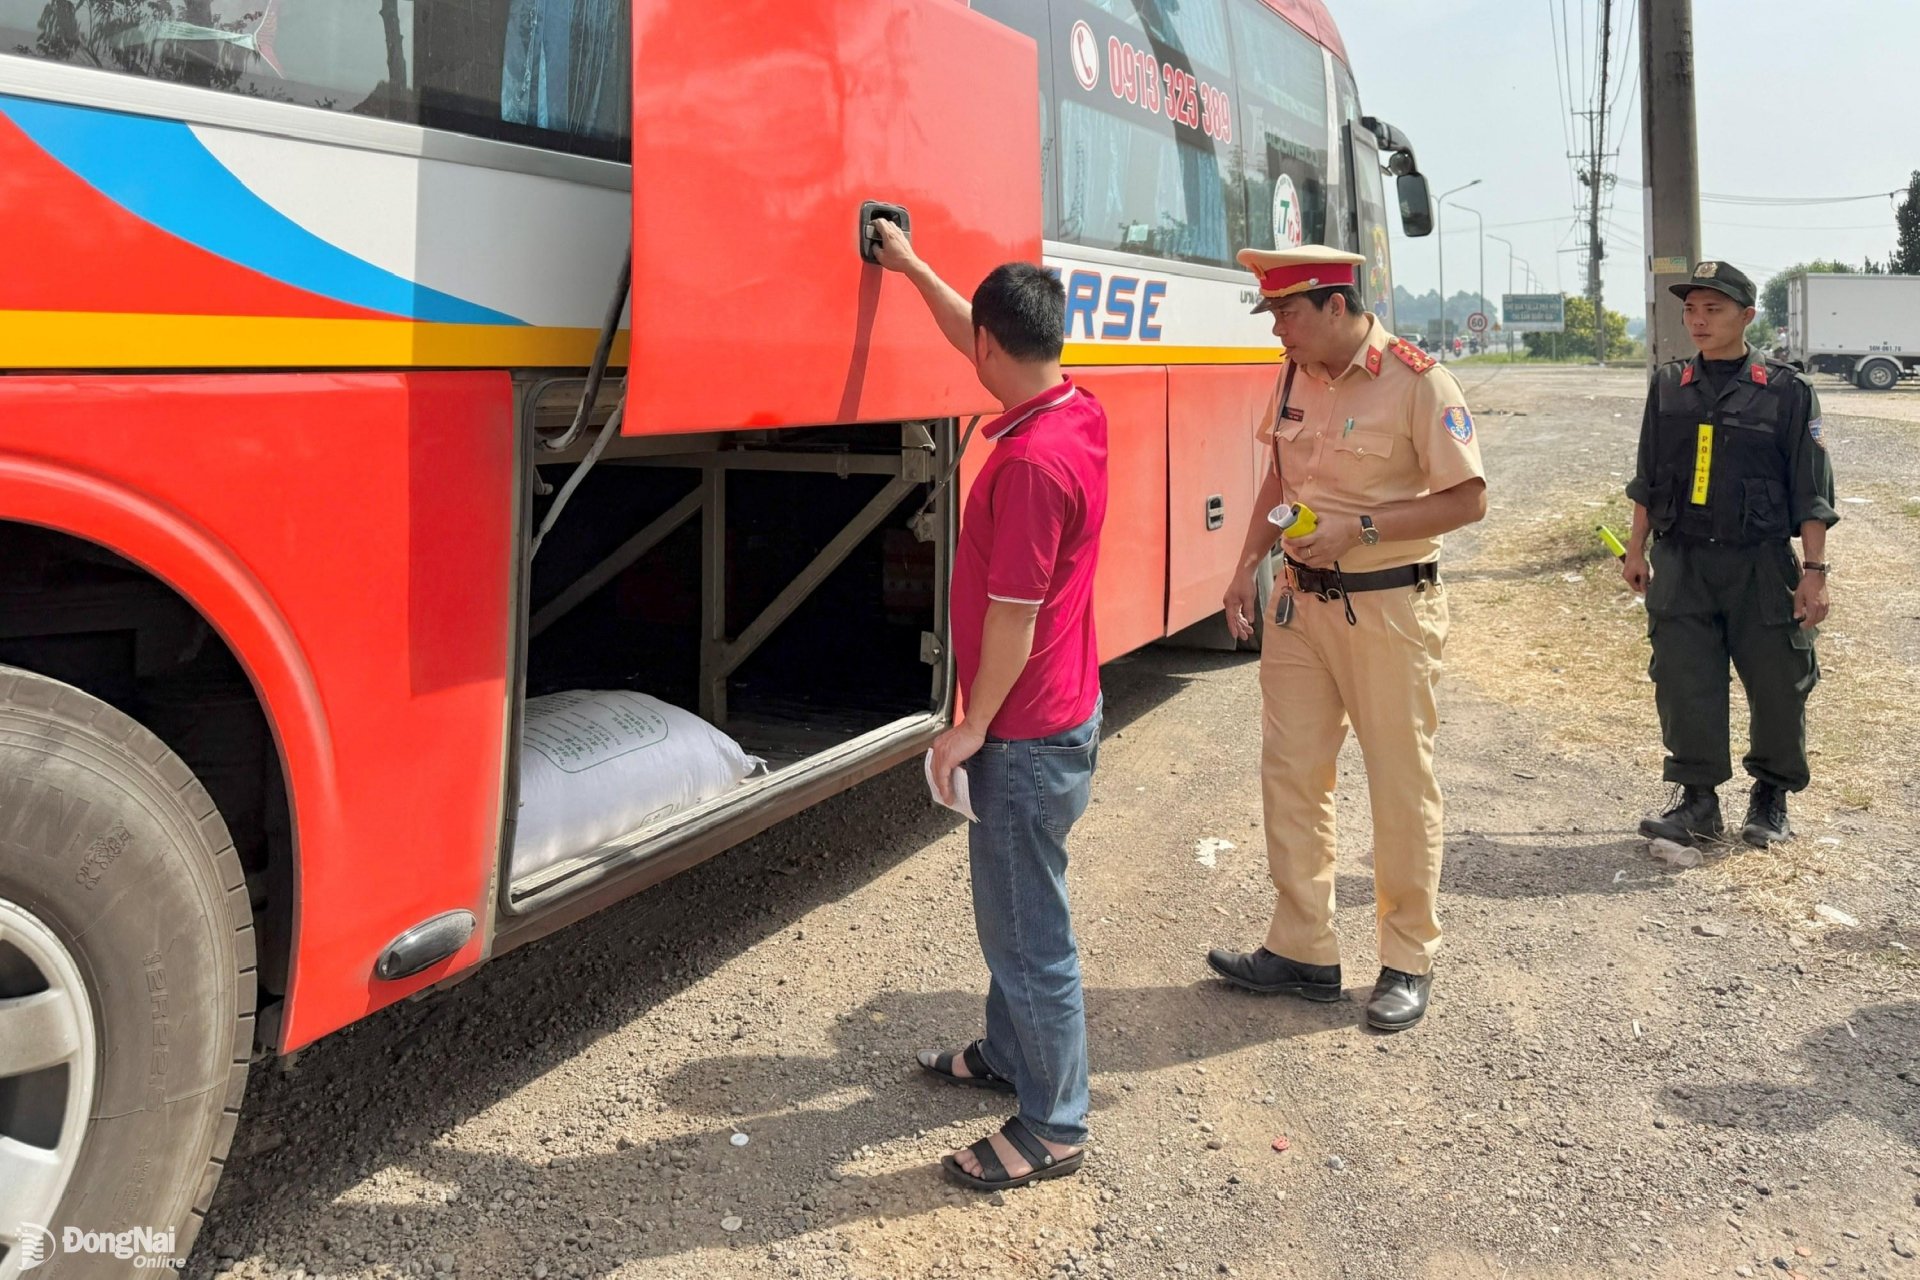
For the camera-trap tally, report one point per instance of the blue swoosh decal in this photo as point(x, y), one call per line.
point(160, 172)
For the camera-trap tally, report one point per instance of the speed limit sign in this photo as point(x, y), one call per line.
point(1477, 322)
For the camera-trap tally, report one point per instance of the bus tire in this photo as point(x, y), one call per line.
point(1879, 375)
point(1263, 597)
point(127, 979)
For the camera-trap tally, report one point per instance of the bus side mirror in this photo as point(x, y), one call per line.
point(1416, 204)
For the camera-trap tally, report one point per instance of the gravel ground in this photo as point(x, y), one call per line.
point(1623, 1072)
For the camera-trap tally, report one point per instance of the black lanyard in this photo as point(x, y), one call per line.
point(1279, 416)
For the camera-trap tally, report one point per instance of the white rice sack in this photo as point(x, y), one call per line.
point(595, 766)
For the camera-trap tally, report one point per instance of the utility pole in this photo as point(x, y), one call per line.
point(1670, 169)
point(1596, 248)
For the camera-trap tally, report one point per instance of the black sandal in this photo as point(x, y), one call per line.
point(983, 1076)
point(1044, 1164)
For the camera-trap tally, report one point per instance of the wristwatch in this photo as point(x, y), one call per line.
point(1815, 566)
point(1368, 534)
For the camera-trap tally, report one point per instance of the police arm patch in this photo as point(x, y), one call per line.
point(1814, 428)
point(1459, 422)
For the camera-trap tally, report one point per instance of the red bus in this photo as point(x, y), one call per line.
point(346, 539)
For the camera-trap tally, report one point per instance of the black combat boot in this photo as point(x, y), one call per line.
point(1766, 816)
point(1694, 816)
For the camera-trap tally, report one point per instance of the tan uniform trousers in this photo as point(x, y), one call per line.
point(1317, 676)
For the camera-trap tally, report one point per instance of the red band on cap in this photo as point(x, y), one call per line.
point(1321, 275)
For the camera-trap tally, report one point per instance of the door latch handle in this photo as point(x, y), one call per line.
point(876, 211)
point(1216, 512)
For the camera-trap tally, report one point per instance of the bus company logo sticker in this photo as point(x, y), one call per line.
point(145, 1247)
point(1459, 423)
point(1288, 228)
point(1086, 56)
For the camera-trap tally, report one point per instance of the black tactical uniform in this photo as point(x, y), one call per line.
point(1731, 465)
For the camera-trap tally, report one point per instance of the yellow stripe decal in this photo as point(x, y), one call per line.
point(108, 340)
point(115, 340)
point(1098, 353)
point(1702, 464)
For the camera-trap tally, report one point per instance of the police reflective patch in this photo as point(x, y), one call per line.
point(1459, 423)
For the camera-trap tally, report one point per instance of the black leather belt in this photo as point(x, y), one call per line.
point(1702, 540)
point(1331, 584)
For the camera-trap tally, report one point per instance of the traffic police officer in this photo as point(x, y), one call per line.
point(1375, 439)
point(1732, 466)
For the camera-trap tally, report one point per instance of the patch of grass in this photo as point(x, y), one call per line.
point(1543, 621)
point(1896, 958)
point(1504, 357)
point(1911, 508)
point(1855, 797)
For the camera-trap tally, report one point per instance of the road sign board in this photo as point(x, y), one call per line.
point(1534, 312)
point(1477, 322)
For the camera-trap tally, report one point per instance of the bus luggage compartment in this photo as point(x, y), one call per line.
point(789, 588)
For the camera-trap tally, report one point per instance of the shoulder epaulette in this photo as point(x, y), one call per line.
point(1411, 356)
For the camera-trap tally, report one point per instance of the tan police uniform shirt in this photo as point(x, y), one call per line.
point(1390, 426)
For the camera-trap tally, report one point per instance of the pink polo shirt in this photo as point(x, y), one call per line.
point(1030, 534)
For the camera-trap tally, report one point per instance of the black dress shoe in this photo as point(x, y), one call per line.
point(1766, 816)
point(1695, 815)
point(1273, 975)
point(1399, 1000)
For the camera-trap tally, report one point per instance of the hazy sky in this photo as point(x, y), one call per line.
point(1794, 99)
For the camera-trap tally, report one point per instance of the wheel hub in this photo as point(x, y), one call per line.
point(49, 1057)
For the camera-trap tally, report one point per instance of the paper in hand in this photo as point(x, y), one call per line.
point(962, 800)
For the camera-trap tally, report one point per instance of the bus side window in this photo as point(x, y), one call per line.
point(1029, 17)
point(1145, 103)
point(566, 67)
point(541, 73)
point(1343, 220)
point(1283, 82)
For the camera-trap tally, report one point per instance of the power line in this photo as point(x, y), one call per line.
point(1776, 226)
point(1631, 27)
point(1561, 82)
point(1782, 201)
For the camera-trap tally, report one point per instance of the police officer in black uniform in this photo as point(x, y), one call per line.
point(1732, 468)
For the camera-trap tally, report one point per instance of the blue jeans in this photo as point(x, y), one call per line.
point(1028, 794)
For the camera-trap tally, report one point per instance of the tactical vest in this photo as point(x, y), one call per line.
point(1720, 465)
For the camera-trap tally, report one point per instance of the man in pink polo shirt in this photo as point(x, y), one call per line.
point(1029, 672)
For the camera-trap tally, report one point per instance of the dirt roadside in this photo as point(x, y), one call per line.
point(1629, 1070)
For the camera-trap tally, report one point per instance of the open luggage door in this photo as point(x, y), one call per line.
point(761, 131)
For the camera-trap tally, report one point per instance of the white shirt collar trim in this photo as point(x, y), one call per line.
point(1066, 393)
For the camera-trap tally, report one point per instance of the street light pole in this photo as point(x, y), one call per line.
point(1482, 223)
point(1440, 245)
point(1503, 310)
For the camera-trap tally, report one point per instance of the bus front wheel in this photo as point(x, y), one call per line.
point(126, 985)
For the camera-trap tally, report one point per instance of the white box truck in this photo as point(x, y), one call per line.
point(1864, 328)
